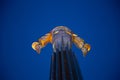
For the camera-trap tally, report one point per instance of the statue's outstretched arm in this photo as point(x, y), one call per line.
point(42, 42)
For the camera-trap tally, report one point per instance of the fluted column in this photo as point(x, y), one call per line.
point(64, 66)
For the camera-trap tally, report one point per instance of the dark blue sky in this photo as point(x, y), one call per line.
point(24, 21)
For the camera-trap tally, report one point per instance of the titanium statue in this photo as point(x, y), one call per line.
point(61, 37)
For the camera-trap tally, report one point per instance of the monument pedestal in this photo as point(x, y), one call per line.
point(64, 66)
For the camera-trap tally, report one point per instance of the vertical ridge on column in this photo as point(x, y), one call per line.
point(64, 66)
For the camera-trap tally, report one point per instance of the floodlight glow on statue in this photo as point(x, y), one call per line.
point(61, 37)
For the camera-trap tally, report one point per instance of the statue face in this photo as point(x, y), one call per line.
point(60, 28)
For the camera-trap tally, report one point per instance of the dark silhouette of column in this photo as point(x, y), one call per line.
point(64, 66)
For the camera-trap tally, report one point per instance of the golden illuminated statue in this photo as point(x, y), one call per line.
point(61, 37)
